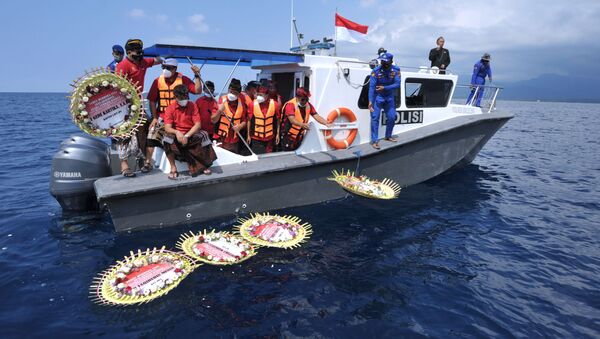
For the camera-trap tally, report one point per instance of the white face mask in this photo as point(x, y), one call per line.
point(260, 99)
point(231, 97)
point(182, 103)
point(167, 73)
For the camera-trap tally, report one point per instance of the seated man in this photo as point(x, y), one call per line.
point(207, 105)
point(191, 144)
point(298, 112)
point(263, 116)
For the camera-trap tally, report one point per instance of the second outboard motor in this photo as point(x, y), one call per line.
point(80, 161)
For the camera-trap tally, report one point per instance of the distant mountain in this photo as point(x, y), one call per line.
point(551, 87)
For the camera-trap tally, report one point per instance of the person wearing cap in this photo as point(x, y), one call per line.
point(191, 144)
point(117, 52)
point(161, 95)
point(231, 117)
point(481, 69)
point(440, 56)
point(133, 67)
point(207, 105)
point(298, 112)
point(249, 92)
point(384, 82)
point(263, 117)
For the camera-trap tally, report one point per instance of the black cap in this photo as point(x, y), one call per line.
point(209, 84)
point(381, 50)
point(181, 91)
point(235, 85)
point(252, 84)
point(132, 44)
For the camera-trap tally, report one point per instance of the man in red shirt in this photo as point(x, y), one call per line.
point(207, 105)
point(298, 112)
point(133, 67)
point(191, 144)
point(161, 95)
point(231, 117)
point(263, 118)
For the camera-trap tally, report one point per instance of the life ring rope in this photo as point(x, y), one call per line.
point(333, 115)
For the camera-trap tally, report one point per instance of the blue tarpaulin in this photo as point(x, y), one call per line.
point(222, 56)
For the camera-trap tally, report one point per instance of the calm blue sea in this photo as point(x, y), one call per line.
point(506, 247)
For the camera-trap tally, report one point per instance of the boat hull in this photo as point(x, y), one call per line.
point(415, 158)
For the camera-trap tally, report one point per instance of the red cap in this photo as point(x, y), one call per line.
point(301, 92)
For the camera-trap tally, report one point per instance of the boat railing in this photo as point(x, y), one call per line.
point(481, 96)
point(417, 69)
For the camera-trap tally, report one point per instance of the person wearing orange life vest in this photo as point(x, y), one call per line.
point(231, 117)
point(263, 117)
point(161, 96)
point(298, 112)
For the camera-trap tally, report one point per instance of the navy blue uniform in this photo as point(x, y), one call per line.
point(390, 80)
point(480, 71)
point(111, 67)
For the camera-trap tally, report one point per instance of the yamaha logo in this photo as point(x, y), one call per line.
point(67, 175)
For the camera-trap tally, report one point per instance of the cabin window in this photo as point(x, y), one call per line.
point(427, 92)
point(284, 82)
point(307, 83)
point(363, 98)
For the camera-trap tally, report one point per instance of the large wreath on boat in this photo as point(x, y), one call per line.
point(216, 248)
point(274, 230)
point(363, 186)
point(141, 277)
point(106, 104)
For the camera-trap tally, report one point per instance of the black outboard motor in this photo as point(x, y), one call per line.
point(80, 161)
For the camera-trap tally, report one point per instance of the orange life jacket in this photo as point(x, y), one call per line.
point(263, 123)
point(224, 124)
point(165, 92)
point(294, 130)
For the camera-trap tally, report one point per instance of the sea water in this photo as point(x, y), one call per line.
point(507, 246)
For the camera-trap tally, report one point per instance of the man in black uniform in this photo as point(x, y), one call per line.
point(439, 56)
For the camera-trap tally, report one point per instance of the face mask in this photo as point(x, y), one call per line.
point(260, 99)
point(231, 97)
point(167, 73)
point(182, 103)
point(301, 104)
point(118, 57)
point(137, 57)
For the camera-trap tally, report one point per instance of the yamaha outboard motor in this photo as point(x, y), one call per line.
point(79, 162)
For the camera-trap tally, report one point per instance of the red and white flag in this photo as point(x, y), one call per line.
point(347, 30)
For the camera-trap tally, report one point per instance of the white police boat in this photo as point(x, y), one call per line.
point(434, 135)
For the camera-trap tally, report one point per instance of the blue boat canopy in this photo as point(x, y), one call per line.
point(223, 56)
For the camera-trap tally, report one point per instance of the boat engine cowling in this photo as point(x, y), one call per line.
point(79, 162)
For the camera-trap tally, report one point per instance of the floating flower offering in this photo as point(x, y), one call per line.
point(216, 248)
point(274, 230)
point(363, 186)
point(141, 277)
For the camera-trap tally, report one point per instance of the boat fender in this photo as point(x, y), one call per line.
point(333, 115)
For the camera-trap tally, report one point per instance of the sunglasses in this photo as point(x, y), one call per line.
point(170, 68)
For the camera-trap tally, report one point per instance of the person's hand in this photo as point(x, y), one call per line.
point(184, 141)
point(379, 88)
point(237, 128)
point(442, 66)
point(277, 139)
point(153, 123)
point(371, 109)
point(179, 135)
point(305, 126)
point(196, 69)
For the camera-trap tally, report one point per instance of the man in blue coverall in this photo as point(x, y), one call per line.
point(117, 52)
point(481, 69)
point(385, 80)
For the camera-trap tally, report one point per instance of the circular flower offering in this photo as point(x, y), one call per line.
point(216, 248)
point(274, 230)
point(141, 277)
point(105, 104)
point(363, 186)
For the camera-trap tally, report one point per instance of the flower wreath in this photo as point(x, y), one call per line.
point(363, 186)
point(102, 93)
point(216, 248)
point(274, 230)
point(141, 277)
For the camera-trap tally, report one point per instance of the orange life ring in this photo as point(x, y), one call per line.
point(335, 143)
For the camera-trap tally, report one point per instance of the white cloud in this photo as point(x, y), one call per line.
point(137, 13)
point(197, 23)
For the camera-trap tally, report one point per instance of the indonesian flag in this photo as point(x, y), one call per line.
point(350, 31)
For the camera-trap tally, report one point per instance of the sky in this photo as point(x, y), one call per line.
point(47, 44)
